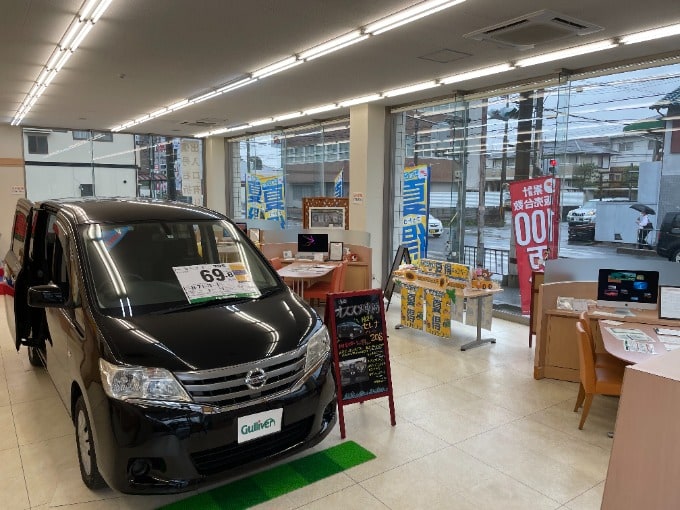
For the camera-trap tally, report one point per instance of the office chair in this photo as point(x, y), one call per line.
point(594, 380)
point(319, 290)
point(602, 359)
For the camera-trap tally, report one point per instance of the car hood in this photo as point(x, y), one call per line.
point(211, 336)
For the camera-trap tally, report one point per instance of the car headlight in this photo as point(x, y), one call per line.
point(318, 346)
point(129, 382)
point(590, 213)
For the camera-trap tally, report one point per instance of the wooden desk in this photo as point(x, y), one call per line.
point(615, 346)
point(644, 465)
point(556, 353)
point(301, 273)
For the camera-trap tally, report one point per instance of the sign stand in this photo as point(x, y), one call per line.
point(404, 256)
point(361, 360)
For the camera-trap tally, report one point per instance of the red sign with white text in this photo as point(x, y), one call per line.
point(536, 223)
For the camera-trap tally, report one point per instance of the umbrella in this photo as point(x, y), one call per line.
point(643, 208)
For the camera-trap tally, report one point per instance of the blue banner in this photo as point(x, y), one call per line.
point(415, 210)
point(337, 188)
point(265, 198)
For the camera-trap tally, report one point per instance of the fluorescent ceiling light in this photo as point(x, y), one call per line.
point(235, 85)
point(287, 116)
point(648, 35)
point(360, 100)
point(236, 128)
point(261, 122)
point(321, 109)
point(83, 33)
point(332, 45)
point(354, 41)
point(100, 10)
point(205, 96)
point(76, 31)
point(471, 75)
point(567, 53)
point(274, 68)
point(411, 88)
point(178, 105)
point(408, 15)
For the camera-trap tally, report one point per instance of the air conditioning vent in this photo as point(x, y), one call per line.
point(534, 29)
point(204, 122)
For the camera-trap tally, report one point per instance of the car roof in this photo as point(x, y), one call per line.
point(126, 210)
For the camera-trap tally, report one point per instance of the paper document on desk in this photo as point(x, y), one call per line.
point(643, 347)
point(669, 339)
point(667, 331)
point(626, 334)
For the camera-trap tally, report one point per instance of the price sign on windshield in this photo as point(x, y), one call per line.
point(206, 282)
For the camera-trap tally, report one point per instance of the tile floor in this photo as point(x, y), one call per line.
point(474, 431)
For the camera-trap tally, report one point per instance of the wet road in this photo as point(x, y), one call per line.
point(499, 238)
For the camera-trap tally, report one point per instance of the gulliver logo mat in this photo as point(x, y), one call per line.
point(277, 481)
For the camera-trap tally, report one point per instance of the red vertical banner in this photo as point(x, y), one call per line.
point(536, 223)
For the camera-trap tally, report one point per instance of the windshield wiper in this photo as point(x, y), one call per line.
point(205, 304)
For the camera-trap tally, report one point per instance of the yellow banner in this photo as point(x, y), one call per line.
point(438, 313)
point(411, 306)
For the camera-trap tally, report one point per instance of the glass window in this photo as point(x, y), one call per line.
point(37, 144)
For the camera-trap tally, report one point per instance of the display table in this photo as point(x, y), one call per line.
point(440, 290)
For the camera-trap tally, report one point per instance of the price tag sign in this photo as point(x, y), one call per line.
point(207, 282)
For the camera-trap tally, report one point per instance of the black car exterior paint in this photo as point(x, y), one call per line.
point(152, 446)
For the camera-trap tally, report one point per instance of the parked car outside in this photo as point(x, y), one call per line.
point(668, 241)
point(176, 360)
point(434, 226)
point(587, 213)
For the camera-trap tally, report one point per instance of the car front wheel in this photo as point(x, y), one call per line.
point(86, 454)
point(675, 257)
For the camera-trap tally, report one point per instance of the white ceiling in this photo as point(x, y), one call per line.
point(147, 54)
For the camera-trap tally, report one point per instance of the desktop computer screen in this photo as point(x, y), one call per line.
point(313, 243)
point(623, 288)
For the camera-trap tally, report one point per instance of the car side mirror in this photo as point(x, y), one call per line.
point(46, 296)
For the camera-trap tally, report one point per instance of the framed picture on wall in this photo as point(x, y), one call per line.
point(326, 217)
point(322, 212)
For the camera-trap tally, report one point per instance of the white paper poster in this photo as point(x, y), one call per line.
point(207, 282)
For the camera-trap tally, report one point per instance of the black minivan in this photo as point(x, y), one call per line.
point(176, 348)
point(668, 242)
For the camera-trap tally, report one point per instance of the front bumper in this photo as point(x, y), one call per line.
point(152, 450)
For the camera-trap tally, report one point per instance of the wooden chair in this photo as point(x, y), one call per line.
point(276, 263)
point(319, 290)
point(537, 279)
point(594, 380)
point(602, 359)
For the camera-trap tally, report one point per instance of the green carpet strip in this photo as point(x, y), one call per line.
point(277, 481)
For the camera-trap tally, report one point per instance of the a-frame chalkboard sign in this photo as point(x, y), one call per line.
point(402, 256)
point(361, 359)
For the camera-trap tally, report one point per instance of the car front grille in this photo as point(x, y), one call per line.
point(226, 386)
point(225, 457)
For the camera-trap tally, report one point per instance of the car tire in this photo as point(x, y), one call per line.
point(87, 458)
point(34, 357)
point(437, 235)
point(675, 256)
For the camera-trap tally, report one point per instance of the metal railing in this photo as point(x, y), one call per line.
point(495, 260)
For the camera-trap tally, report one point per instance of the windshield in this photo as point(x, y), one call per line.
point(148, 267)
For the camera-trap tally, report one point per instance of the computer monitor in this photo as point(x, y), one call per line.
point(625, 288)
point(313, 243)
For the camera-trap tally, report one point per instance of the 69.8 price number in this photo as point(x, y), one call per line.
point(215, 274)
